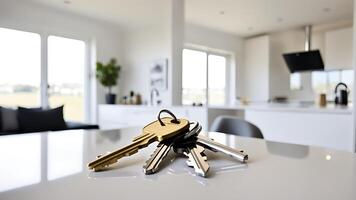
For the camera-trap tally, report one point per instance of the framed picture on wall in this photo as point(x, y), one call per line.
point(159, 74)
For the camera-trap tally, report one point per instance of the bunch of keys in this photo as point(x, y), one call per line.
point(178, 134)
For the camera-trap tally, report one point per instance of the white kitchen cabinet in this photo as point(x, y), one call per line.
point(256, 62)
point(330, 127)
point(124, 116)
point(338, 49)
point(330, 130)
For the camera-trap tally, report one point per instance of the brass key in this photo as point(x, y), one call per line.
point(156, 131)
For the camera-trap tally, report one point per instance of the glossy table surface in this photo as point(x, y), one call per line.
point(53, 166)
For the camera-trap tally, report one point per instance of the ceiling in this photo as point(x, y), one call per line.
point(239, 17)
point(251, 17)
point(126, 13)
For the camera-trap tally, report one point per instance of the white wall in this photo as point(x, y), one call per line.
point(26, 16)
point(354, 67)
point(177, 26)
point(146, 45)
point(207, 39)
point(286, 42)
point(142, 48)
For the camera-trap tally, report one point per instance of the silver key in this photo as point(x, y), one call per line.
point(215, 146)
point(201, 167)
point(153, 163)
point(201, 151)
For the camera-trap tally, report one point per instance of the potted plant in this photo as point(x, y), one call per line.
point(108, 74)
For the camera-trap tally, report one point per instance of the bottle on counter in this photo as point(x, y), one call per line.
point(124, 100)
point(322, 100)
point(138, 99)
point(131, 99)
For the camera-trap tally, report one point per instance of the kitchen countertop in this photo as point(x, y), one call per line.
point(289, 107)
point(52, 165)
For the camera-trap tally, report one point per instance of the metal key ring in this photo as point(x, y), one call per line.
point(174, 120)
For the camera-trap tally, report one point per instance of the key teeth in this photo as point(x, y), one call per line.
point(149, 161)
point(151, 157)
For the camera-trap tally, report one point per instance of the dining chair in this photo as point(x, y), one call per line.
point(235, 126)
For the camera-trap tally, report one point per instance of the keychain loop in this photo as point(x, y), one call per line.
point(174, 120)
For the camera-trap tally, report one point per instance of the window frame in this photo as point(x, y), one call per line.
point(39, 97)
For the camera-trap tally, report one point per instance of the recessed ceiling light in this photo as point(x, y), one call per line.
point(66, 2)
point(222, 12)
point(326, 9)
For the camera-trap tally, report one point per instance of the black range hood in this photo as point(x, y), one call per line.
point(308, 60)
point(304, 61)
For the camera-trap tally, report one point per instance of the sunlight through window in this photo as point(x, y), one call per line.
point(198, 85)
point(20, 68)
point(66, 62)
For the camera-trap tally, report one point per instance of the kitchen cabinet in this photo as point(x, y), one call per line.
point(257, 67)
point(330, 127)
point(338, 49)
point(123, 116)
point(325, 129)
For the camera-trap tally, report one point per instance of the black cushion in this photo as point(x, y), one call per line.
point(34, 120)
point(8, 120)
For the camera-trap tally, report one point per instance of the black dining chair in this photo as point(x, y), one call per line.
point(235, 126)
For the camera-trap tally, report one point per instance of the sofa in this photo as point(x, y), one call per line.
point(27, 120)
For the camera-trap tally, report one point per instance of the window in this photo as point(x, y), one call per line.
point(194, 77)
point(66, 63)
point(217, 79)
point(64, 74)
point(325, 81)
point(204, 78)
point(319, 82)
point(295, 81)
point(20, 68)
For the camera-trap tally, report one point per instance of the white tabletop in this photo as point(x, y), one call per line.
point(53, 166)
